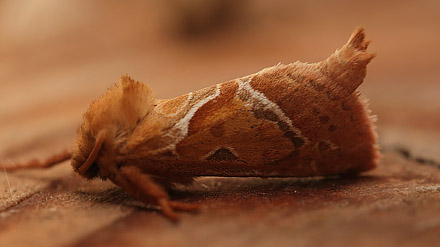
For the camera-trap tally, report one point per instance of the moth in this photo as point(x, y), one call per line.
point(295, 120)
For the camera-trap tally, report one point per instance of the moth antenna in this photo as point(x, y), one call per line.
point(7, 180)
point(93, 154)
point(49, 162)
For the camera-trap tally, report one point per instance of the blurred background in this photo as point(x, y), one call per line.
point(57, 56)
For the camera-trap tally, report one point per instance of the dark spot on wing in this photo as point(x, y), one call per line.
point(217, 130)
point(345, 106)
point(222, 154)
point(332, 128)
point(322, 146)
point(283, 126)
point(324, 119)
point(266, 114)
point(317, 86)
point(297, 141)
point(331, 96)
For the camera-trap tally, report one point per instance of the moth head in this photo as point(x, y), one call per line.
point(107, 124)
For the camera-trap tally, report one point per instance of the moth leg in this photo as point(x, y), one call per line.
point(49, 162)
point(142, 186)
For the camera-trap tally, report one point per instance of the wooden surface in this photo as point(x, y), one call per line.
point(56, 58)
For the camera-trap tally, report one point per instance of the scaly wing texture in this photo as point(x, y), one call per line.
point(288, 120)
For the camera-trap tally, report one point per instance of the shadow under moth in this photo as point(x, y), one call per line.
point(295, 120)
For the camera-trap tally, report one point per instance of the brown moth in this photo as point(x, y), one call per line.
point(292, 120)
